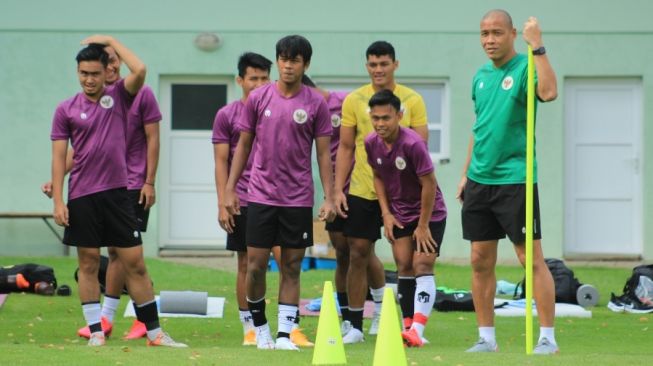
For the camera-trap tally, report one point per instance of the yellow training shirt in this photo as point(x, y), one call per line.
point(355, 113)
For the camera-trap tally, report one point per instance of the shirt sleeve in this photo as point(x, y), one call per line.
point(418, 112)
point(421, 158)
point(349, 112)
point(221, 130)
point(60, 125)
point(148, 107)
point(369, 150)
point(323, 125)
point(247, 120)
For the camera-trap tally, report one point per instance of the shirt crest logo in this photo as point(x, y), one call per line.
point(300, 116)
point(83, 116)
point(335, 120)
point(106, 102)
point(480, 85)
point(378, 161)
point(400, 163)
point(267, 113)
point(506, 84)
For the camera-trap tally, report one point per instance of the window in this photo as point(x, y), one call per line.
point(435, 95)
point(194, 105)
point(436, 98)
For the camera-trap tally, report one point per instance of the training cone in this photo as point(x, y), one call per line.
point(329, 349)
point(389, 345)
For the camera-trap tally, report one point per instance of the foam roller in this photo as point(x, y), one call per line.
point(183, 302)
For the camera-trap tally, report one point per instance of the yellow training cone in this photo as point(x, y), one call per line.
point(389, 346)
point(329, 349)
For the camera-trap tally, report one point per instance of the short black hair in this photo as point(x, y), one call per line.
point(93, 52)
point(253, 60)
point(380, 48)
point(506, 16)
point(385, 97)
point(293, 46)
point(308, 82)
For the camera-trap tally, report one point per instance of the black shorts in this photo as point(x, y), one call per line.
point(363, 219)
point(436, 227)
point(102, 219)
point(269, 226)
point(336, 225)
point(142, 215)
point(490, 212)
point(236, 241)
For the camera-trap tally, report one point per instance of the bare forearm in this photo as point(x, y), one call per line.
point(427, 197)
point(381, 195)
point(344, 159)
point(221, 172)
point(470, 148)
point(239, 160)
point(58, 169)
point(152, 160)
point(547, 85)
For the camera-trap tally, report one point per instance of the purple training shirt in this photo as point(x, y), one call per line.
point(97, 134)
point(225, 131)
point(400, 169)
point(144, 110)
point(334, 103)
point(284, 129)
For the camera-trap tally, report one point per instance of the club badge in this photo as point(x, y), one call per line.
point(506, 84)
point(400, 163)
point(300, 116)
point(335, 121)
point(106, 102)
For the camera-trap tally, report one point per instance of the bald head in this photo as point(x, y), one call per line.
point(501, 14)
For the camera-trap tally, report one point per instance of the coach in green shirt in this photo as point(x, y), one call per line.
point(492, 188)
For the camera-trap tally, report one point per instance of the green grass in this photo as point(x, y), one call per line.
point(38, 330)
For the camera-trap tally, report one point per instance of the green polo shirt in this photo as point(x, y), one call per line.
point(499, 94)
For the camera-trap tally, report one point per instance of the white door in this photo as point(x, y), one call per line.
point(603, 213)
point(188, 201)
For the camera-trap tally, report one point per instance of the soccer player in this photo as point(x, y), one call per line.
point(414, 213)
point(253, 71)
point(360, 207)
point(492, 188)
point(142, 162)
point(99, 212)
point(334, 103)
point(285, 117)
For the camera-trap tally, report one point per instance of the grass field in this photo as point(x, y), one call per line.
point(38, 330)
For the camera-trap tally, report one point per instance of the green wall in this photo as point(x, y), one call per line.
point(434, 39)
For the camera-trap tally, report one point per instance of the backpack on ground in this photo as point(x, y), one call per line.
point(28, 277)
point(447, 299)
point(640, 284)
point(566, 284)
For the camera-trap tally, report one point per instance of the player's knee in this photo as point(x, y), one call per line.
point(480, 263)
point(113, 254)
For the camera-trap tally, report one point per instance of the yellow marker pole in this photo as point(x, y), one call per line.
point(530, 142)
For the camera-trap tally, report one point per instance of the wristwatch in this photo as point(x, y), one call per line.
point(539, 51)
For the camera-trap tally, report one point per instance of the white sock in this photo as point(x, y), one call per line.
point(424, 300)
point(488, 334)
point(286, 320)
point(246, 320)
point(109, 307)
point(377, 297)
point(92, 312)
point(547, 333)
